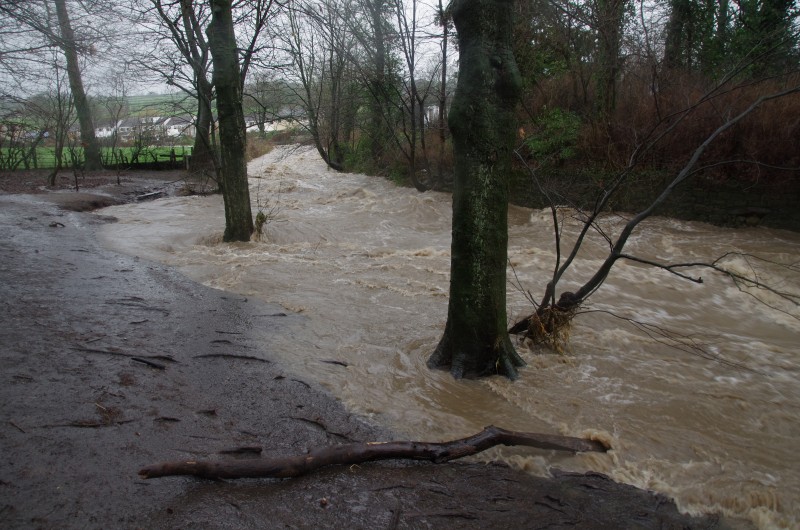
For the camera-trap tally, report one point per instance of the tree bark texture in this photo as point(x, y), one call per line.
point(196, 53)
point(444, 19)
point(203, 148)
point(676, 53)
point(91, 151)
point(235, 188)
point(475, 341)
point(357, 453)
point(378, 133)
point(610, 20)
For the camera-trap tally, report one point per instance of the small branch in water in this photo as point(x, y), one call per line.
point(357, 453)
point(669, 268)
point(674, 339)
point(743, 281)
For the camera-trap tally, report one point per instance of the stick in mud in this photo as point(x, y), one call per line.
point(357, 453)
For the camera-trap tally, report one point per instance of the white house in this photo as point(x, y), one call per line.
point(106, 130)
point(172, 127)
point(178, 126)
point(285, 118)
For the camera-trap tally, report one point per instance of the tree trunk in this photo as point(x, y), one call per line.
point(203, 149)
point(91, 151)
point(235, 188)
point(378, 134)
point(444, 20)
point(475, 341)
point(610, 17)
point(674, 49)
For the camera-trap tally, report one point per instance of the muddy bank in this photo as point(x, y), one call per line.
point(111, 362)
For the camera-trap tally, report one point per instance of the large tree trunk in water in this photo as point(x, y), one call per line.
point(475, 341)
point(235, 190)
point(90, 149)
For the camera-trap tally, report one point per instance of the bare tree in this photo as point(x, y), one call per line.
point(553, 311)
point(251, 18)
point(116, 108)
point(608, 18)
point(374, 42)
point(26, 39)
point(68, 45)
point(25, 123)
point(416, 91)
point(444, 19)
point(270, 99)
point(30, 29)
point(318, 45)
point(63, 116)
point(181, 56)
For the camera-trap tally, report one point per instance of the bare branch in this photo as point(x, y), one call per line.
point(357, 453)
point(674, 339)
point(668, 267)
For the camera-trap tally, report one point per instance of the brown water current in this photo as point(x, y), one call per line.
point(368, 264)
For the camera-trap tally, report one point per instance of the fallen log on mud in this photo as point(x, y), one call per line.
point(357, 453)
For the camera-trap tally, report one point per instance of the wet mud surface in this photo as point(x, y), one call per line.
point(110, 363)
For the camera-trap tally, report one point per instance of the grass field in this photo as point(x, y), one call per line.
point(161, 105)
point(44, 157)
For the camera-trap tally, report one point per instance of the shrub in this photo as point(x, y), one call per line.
point(555, 139)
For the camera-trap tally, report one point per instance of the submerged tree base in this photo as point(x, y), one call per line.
point(471, 359)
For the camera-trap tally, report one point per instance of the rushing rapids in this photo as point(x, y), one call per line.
point(367, 263)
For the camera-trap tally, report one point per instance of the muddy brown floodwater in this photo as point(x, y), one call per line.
point(367, 264)
point(112, 361)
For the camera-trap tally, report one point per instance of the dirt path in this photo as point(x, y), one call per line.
point(81, 410)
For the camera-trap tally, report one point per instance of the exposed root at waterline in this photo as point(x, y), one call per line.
point(357, 453)
point(549, 326)
point(464, 357)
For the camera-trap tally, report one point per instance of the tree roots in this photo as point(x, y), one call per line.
point(549, 326)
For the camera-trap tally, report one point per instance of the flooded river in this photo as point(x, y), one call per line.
point(368, 265)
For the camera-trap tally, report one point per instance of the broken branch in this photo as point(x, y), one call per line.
point(357, 453)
